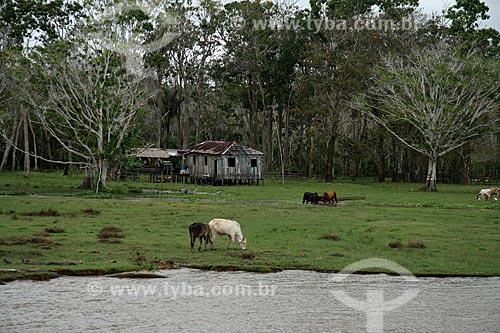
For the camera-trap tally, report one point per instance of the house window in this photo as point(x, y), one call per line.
point(231, 162)
point(194, 159)
point(253, 162)
point(206, 160)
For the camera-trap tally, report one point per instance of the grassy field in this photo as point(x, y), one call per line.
point(47, 224)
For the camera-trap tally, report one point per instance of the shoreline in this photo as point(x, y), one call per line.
point(11, 275)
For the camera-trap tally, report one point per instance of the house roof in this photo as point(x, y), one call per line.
point(221, 148)
point(155, 153)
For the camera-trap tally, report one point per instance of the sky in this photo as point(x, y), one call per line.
point(437, 6)
point(431, 6)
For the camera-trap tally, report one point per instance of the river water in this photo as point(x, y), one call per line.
point(289, 301)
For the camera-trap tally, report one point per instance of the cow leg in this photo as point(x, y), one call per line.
point(212, 241)
point(192, 242)
point(201, 241)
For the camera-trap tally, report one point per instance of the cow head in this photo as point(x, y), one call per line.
point(243, 243)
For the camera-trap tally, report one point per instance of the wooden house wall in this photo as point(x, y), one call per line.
point(242, 170)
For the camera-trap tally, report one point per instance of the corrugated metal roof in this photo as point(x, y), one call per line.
point(221, 148)
point(156, 153)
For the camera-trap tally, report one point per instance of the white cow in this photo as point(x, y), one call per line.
point(487, 193)
point(227, 227)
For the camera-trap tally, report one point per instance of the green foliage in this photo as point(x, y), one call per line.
point(465, 16)
point(38, 20)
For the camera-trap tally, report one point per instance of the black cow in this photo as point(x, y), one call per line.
point(201, 231)
point(311, 197)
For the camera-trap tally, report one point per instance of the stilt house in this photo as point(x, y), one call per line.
point(221, 162)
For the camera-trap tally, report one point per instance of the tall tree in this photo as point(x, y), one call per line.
point(465, 16)
point(25, 25)
point(88, 104)
point(445, 97)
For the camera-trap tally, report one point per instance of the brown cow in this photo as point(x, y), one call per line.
point(201, 231)
point(330, 197)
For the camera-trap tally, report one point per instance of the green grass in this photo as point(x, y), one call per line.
point(461, 234)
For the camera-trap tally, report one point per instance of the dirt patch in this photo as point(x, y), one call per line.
point(111, 234)
point(331, 236)
point(38, 240)
point(137, 275)
point(54, 230)
point(49, 212)
point(224, 268)
point(410, 244)
point(396, 245)
point(91, 211)
point(243, 255)
point(49, 263)
point(41, 234)
point(110, 240)
point(112, 228)
point(416, 245)
point(160, 263)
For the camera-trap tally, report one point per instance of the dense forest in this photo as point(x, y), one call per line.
point(355, 88)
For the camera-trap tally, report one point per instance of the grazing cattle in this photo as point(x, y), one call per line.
point(227, 227)
point(330, 197)
point(201, 231)
point(487, 193)
point(495, 191)
point(310, 197)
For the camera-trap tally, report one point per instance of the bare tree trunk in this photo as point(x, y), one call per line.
point(27, 163)
point(159, 113)
point(179, 127)
point(88, 179)
point(286, 143)
point(269, 145)
point(380, 156)
point(280, 147)
point(310, 163)
point(252, 117)
point(103, 174)
point(16, 138)
point(431, 183)
point(8, 144)
point(329, 159)
point(47, 143)
point(466, 163)
point(34, 144)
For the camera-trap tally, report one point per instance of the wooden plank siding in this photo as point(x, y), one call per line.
point(220, 163)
